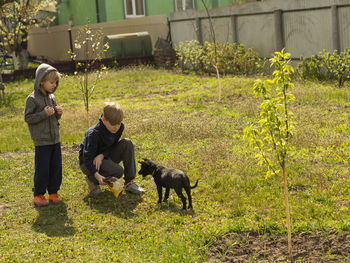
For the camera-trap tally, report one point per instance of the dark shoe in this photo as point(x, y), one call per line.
point(134, 188)
point(93, 188)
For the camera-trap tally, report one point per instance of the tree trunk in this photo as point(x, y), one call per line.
point(285, 187)
point(2, 90)
point(218, 76)
point(20, 60)
point(88, 118)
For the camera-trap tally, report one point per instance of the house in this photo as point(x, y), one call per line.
point(75, 13)
point(113, 17)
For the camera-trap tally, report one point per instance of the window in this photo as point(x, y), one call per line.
point(184, 4)
point(134, 8)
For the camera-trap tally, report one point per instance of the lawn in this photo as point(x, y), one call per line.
point(176, 120)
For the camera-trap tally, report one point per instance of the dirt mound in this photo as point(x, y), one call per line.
point(307, 247)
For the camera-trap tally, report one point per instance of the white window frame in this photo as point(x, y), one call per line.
point(134, 9)
point(183, 5)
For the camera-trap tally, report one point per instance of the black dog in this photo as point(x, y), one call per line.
point(168, 178)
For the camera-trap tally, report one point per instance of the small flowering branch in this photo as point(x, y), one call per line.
point(91, 45)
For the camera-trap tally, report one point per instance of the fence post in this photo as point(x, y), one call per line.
point(234, 29)
point(71, 47)
point(278, 30)
point(335, 28)
point(199, 30)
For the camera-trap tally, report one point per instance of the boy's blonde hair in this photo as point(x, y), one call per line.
point(113, 113)
point(52, 75)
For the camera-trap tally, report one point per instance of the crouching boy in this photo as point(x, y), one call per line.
point(102, 150)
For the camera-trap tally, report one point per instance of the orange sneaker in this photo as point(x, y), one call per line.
point(40, 200)
point(55, 198)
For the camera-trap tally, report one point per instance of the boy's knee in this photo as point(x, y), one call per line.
point(111, 168)
point(128, 143)
point(118, 172)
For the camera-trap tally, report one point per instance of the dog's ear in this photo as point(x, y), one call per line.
point(141, 162)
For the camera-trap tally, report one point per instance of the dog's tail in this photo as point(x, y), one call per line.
point(195, 185)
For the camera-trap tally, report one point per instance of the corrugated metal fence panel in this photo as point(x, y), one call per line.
point(222, 25)
point(308, 25)
point(344, 27)
point(307, 32)
point(183, 31)
point(257, 32)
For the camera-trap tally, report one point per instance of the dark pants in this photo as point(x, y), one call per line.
point(122, 152)
point(48, 169)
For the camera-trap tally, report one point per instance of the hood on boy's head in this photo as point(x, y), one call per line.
point(40, 72)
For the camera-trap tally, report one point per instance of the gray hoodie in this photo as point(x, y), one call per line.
point(44, 129)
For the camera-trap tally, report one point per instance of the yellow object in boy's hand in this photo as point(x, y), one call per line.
point(114, 185)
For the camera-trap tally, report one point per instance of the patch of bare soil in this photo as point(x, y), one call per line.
point(307, 247)
point(15, 154)
point(71, 148)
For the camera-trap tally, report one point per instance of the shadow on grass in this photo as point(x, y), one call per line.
point(53, 221)
point(175, 208)
point(106, 202)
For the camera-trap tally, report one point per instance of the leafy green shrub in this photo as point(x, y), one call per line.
point(225, 54)
point(190, 56)
point(337, 65)
point(249, 62)
point(310, 68)
point(326, 66)
point(232, 58)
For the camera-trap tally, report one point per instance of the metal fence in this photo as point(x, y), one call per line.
point(302, 27)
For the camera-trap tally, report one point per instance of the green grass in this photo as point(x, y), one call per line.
point(177, 121)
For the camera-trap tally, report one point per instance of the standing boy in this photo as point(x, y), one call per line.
point(42, 115)
point(102, 150)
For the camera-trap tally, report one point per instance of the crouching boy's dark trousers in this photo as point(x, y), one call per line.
point(123, 151)
point(48, 169)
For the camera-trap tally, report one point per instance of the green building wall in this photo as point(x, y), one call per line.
point(215, 3)
point(159, 7)
point(114, 10)
point(73, 10)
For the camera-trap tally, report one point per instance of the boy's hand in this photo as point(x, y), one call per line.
point(49, 110)
point(59, 110)
point(98, 161)
point(100, 178)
